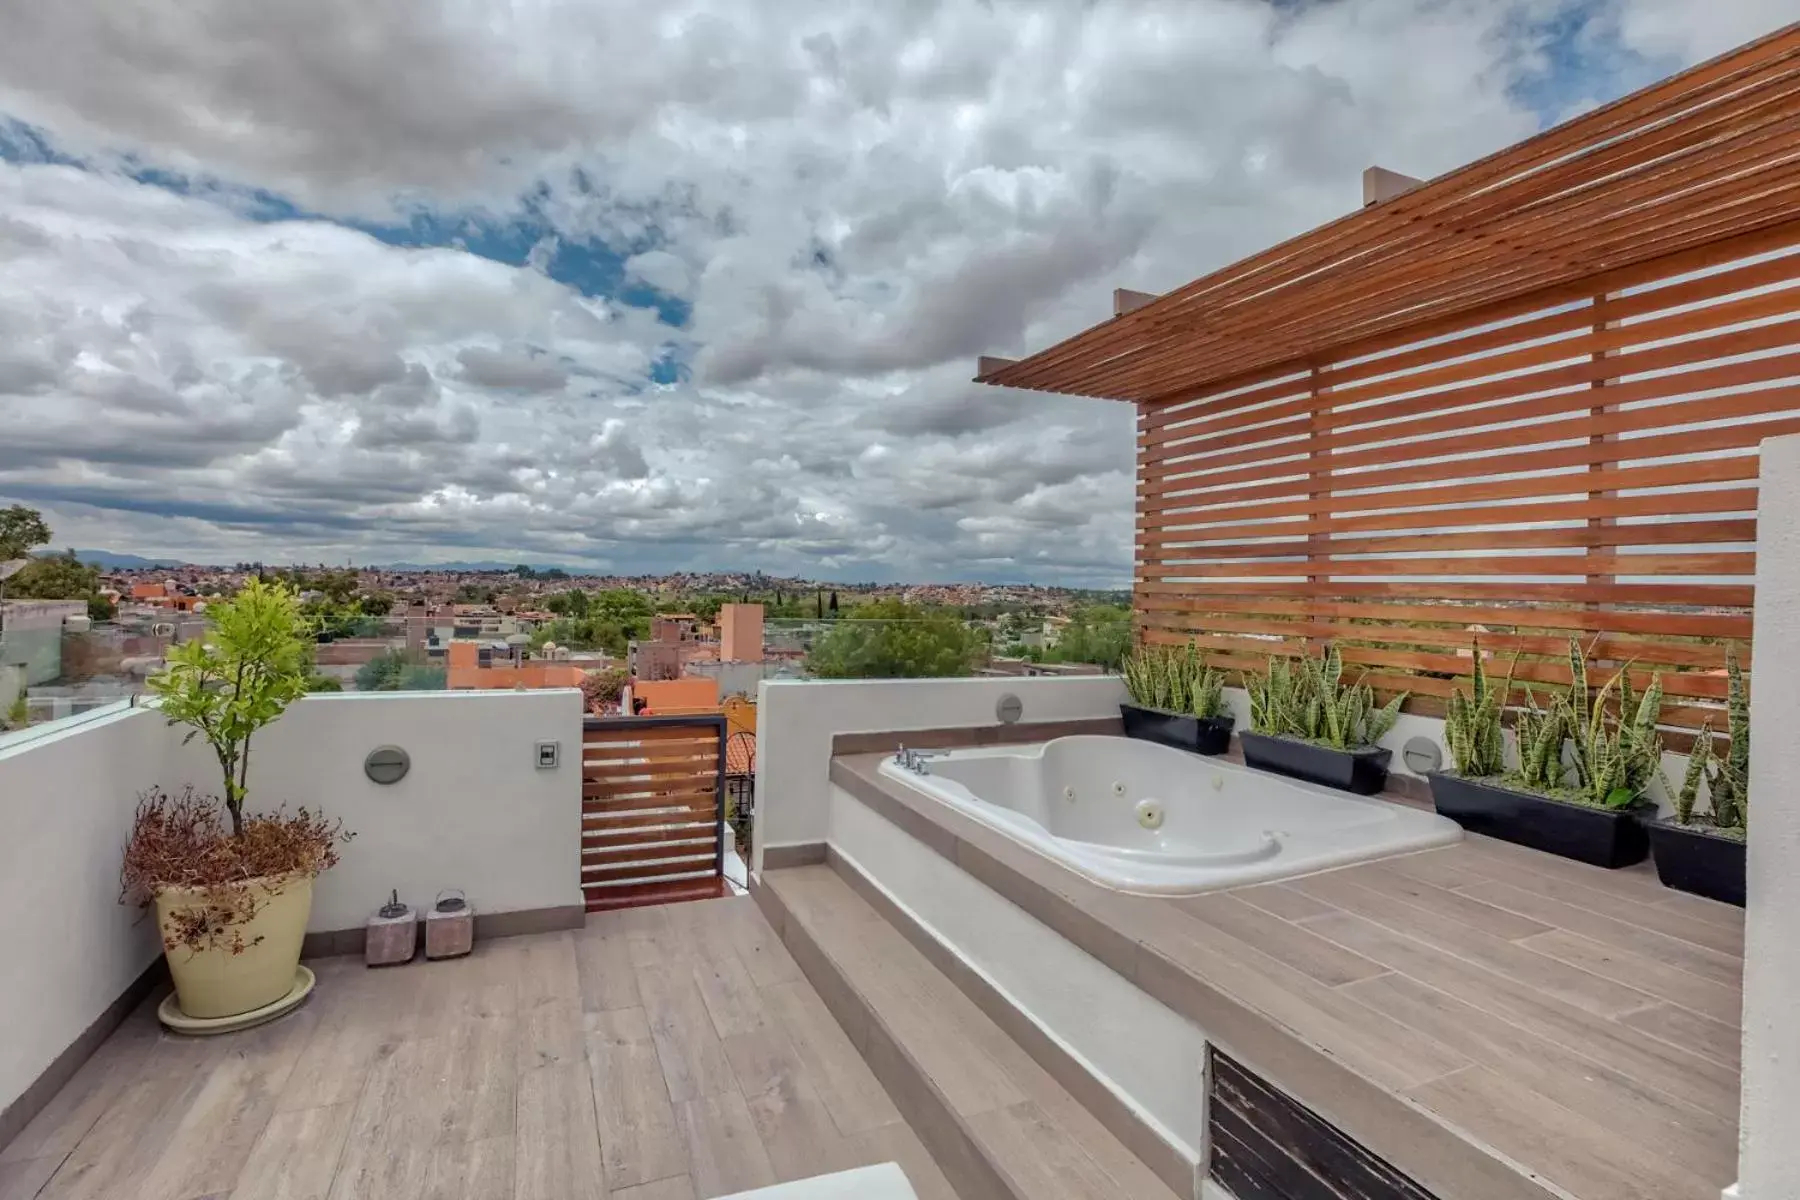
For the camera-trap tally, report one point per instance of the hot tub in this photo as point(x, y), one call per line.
point(1148, 819)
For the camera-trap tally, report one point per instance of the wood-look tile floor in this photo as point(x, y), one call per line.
point(1582, 1022)
point(670, 1053)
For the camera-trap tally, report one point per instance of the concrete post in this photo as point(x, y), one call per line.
point(1769, 1112)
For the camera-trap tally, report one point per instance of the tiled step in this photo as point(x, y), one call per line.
point(999, 1125)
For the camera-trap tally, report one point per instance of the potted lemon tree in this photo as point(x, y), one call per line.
point(232, 890)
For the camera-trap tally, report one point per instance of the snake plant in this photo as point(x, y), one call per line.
point(1472, 723)
point(1541, 733)
point(1174, 679)
point(1728, 780)
point(1616, 756)
point(1309, 700)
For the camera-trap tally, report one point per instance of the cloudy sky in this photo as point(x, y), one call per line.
point(558, 281)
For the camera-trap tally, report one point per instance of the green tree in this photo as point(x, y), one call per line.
point(894, 640)
point(376, 604)
point(101, 609)
point(56, 577)
point(238, 679)
point(324, 683)
point(1096, 633)
point(381, 673)
point(21, 529)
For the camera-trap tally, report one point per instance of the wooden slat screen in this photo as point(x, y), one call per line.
point(1581, 466)
point(651, 822)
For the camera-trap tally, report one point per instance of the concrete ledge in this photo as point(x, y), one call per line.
point(797, 854)
point(331, 943)
point(963, 737)
point(44, 1088)
point(1120, 1119)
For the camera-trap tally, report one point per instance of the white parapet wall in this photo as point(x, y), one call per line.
point(474, 812)
point(1768, 1155)
point(796, 720)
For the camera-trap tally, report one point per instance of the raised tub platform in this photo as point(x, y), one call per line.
point(1494, 1022)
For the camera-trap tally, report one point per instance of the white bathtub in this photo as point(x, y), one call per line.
point(1144, 818)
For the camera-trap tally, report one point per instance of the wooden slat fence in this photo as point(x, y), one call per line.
point(1578, 466)
point(652, 809)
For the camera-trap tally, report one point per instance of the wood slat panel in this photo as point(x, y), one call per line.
point(649, 809)
point(1357, 501)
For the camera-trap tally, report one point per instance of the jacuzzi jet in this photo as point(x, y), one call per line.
point(1149, 814)
point(1118, 788)
point(1069, 794)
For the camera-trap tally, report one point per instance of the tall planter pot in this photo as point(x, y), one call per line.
point(1601, 837)
point(1694, 858)
point(1363, 771)
point(1184, 731)
point(213, 982)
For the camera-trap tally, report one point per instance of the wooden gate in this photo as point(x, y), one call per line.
point(652, 809)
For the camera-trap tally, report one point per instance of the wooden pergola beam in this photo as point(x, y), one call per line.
point(1702, 160)
point(987, 364)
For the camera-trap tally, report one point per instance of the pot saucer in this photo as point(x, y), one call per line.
point(170, 1014)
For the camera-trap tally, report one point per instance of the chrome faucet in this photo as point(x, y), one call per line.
point(914, 760)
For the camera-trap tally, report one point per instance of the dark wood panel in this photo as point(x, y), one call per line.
point(1264, 1145)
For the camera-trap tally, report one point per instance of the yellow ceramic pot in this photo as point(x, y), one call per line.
point(214, 982)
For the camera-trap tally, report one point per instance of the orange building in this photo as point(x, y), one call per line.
point(464, 672)
point(741, 633)
point(676, 697)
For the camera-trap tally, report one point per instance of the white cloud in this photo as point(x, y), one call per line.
point(853, 199)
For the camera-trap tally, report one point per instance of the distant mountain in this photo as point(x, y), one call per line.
point(480, 566)
point(106, 560)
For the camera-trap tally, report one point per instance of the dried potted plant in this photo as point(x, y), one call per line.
point(1585, 810)
point(232, 891)
point(1305, 722)
point(1703, 852)
point(1176, 699)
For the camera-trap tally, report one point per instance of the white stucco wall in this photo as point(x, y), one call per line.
point(1768, 1158)
point(474, 812)
point(66, 799)
point(1148, 1055)
point(797, 718)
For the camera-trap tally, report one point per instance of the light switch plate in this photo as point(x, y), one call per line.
point(549, 755)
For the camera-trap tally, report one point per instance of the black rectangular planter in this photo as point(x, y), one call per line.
point(1361, 771)
point(1184, 731)
point(1603, 837)
point(1691, 858)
